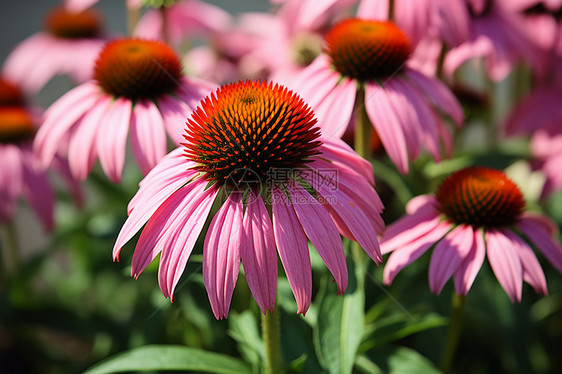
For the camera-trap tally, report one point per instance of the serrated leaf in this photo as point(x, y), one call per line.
point(339, 328)
point(162, 357)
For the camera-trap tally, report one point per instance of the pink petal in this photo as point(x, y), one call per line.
point(505, 263)
point(259, 255)
point(221, 254)
point(174, 113)
point(387, 124)
point(542, 240)
point(335, 111)
point(468, 270)
point(60, 117)
point(410, 252)
point(438, 94)
point(112, 138)
point(351, 214)
point(339, 152)
point(148, 138)
point(448, 254)
point(193, 90)
point(82, 150)
point(37, 189)
point(532, 270)
point(373, 9)
point(419, 202)
point(176, 253)
point(322, 232)
point(293, 249)
point(79, 5)
point(409, 228)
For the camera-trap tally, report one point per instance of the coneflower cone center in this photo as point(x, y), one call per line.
point(10, 94)
point(367, 50)
point(480, 197)
point(71, 25)
point(137, 69)
point(251, 133)
point(16, 125)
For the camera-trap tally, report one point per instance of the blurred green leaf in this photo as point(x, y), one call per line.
point(244, 329)
point(161, 357)
point(404, 360)
point(340, 323)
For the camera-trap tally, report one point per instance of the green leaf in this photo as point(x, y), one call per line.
point(340, 323)
point(407, 361)
point(168, 357)
point(244, 329)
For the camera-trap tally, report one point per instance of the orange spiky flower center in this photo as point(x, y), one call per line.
point(137, 69)
point(246, 132)
point(10, 94)
point(63, 23)
point(480, 197)
point(16, 125)
point(367, 50)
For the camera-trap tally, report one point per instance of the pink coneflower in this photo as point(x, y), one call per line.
point(137, 84)
point(253, 148)
point(477, 212)
point(69, 45)
point(401, 103)
point(498, 36)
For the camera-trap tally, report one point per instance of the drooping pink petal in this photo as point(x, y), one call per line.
point(542, 240)
point(339, 152)
point(408, 253)
point(37, 189)
point(82, 149)
point(437, 94)
point(452, 20)
point(409, 228)
point(112, 138)
point(175, 255)
point(505, 263)
point(467, 271)
point(349, 213)
point(148, 138)
point(60, 117)
point(387, 124)
point(221, 254)
point(479, 47)
point(258, 252)
point(175, 114)
point(335, 111)
point(79, 5)
point(419, 202)
point(192, 90)
point(293, 249)
point(322, 232)
point(532, 270)
point(60, 165)
point(448, 254)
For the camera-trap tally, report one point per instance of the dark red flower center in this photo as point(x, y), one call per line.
point(480, 197)
point(16, 125)
point(136, 69)
point(10, 94)
point(62, 23)
point(367, 50)
point(251, 132)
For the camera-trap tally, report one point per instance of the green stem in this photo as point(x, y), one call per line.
point(10, 248)
point(362, 126)
point(455, 327)
point(133, 17)
point(272, 341)
point(441, 61)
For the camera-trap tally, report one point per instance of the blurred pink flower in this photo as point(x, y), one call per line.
point(81, 5)
point(254, 149)
point(477, 212)
point(539, 115)
point(69, 45)
point(402, 104)
point(138, 85)
point(184, 19)
point(498, 36)
point(20, 174)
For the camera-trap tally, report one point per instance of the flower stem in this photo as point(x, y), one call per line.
point(391, 10)
point(362, 126)
point(133, 17)
point(441, 61)
point(272, 342)
point(455, 326)
point(10, 248)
